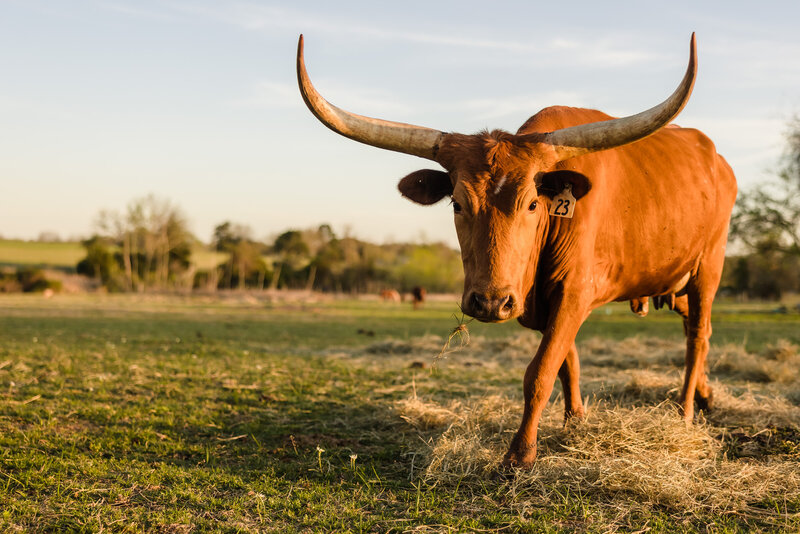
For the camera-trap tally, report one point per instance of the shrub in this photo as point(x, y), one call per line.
point(27, 280)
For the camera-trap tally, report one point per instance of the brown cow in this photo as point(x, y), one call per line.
point(418, 295)
point(575, 210)
point(390, 295)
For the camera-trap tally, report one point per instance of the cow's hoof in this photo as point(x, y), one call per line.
point(704, 404)
point(575, 416)
point(519, 458)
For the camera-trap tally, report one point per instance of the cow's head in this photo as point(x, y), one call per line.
point(500, 198)
point(498, 183)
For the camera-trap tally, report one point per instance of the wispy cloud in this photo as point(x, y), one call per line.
point(751, 145)
point(744, 132)
point(758, 63)
point(610, 51)
point(518, 107)
point(269, 94)
point(135, 11)
point(599, 50)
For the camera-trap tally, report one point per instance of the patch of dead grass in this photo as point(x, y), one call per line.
point(616, 455)
point(778, 363)
point(752, 411)
point(632, 446)
point(425, 416)
point(632, 352)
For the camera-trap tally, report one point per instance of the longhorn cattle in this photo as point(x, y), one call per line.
point(390, 295)
point(418, 295)
point(574, 210)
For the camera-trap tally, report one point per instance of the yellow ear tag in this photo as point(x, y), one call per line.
point(563, 204)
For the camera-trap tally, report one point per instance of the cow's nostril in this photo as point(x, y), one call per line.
point(478, 302)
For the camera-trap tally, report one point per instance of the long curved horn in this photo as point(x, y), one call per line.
point(397, 136)
point(585, 138)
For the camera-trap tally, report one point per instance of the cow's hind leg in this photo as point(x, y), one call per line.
point(700, 290)
point(569, 373)
point(703, 394)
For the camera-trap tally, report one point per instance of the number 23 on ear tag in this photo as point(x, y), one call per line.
point(563, 204)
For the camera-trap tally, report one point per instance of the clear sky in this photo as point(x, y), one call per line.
point(197, 101)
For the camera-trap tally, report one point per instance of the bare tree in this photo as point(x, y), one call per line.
point(154, 241)
point(767, 218)
point(766, 221)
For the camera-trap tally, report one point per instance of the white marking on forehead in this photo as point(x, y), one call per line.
point(500, 183)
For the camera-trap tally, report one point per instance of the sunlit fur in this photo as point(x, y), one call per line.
point(650, 220)
point(654, 223)
point(499, 237)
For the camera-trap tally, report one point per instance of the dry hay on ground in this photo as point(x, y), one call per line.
point(632, 451)
point(778, 363)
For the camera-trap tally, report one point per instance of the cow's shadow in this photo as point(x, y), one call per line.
point(290, 439)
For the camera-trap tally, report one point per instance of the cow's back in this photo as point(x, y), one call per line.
point(655, 207)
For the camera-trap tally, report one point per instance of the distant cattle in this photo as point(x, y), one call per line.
point(418, 294)
point(390, 295)
point(575, 210)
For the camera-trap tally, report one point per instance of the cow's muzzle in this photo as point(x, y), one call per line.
point(491, 307)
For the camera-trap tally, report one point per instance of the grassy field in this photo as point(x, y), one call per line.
point(178, 414)
point(66, 255)
point(30, 253)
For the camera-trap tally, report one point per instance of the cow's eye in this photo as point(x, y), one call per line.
point(456, 205)
point(533, 205)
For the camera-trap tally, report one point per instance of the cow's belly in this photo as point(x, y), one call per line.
point(660, 268)
point(655, 287)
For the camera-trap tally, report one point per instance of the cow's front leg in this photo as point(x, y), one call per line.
point(540, 377)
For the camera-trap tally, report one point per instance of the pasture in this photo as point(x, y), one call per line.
point(239, 414)
point(65, 255)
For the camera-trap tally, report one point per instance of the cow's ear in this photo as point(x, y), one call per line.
point(552, 183)
point(426, 186)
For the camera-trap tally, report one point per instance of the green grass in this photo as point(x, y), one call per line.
point(35, 254)
point(183, 414)
point(752, 325)
point(206, 259)
point(66, 255)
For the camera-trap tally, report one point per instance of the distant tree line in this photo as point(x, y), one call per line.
point(27, 280)
point(766, 228)
point(317, 259)
point(148, 247)
point(145, 246)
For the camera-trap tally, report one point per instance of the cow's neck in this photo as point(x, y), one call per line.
point(538, 274)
